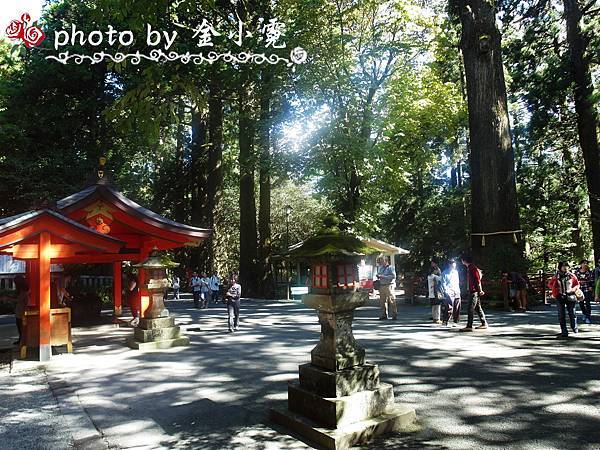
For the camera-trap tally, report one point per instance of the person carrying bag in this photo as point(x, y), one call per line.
point(232, 298)
point(564, 286)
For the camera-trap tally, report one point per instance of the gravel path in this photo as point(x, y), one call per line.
point(29, 415)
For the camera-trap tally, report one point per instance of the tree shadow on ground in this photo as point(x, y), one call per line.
point(513, 386)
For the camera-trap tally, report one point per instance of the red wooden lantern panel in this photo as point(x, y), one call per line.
point(346, 275)
point(320, 276)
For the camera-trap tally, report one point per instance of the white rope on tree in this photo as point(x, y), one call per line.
point(492, 233)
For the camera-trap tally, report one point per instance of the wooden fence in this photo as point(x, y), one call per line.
point(495, 288)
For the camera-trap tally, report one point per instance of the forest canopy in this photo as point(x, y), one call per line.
point(384, 124)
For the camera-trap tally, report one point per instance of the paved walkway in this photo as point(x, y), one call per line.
point(513, 386)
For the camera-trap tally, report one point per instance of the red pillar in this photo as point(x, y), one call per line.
point(44, 295)
point(117, 288)
point(34, 282)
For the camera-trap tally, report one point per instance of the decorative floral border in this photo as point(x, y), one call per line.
point(297, 56)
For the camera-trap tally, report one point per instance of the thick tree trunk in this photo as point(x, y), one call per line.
point(587, 118)
point(493, 189)
point(248, 234)
point(214, 182)
point(573, 208)
point(198, 182)
point(179, 182)
point(266, 287)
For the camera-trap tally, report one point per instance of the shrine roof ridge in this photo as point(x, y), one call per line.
point(71, 201)
point(4, 220)
point(14, 221)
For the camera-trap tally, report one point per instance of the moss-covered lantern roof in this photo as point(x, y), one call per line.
point(331, 243)
point(156, 261)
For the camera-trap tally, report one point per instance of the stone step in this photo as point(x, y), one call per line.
point(396, 418)
point(160, 322)
point(181, 341)
point(156, 334)
point(336, 412)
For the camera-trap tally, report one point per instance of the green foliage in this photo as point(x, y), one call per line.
point(379, 105)
point(550, 172)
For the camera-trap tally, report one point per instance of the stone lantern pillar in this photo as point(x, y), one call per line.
point(338, 400)
point(156, 328)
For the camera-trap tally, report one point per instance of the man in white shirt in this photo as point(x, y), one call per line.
point(386, 276)
point(196, 285)
point(175, 285)
point(205, 290)
point(451, 290)
point(434, 281)
point(214, 285)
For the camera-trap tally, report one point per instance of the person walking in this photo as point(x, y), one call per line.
point(597, 290)
point(475, 293)
point(586, 283)
point(386, 275)
point(175, 285)
point(451, 290)
point(563, 286)
point(215, 286)
point(232, 299)
point(196, 286)
point(134, 299)
point(205, 290)
point(434, 281)
point(517, 286)
point(22, 290)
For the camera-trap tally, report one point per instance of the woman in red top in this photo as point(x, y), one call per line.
point(563, 285)
point(475, 293)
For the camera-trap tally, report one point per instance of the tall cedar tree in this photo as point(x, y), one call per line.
point(264, 214)
point(248, 232)
point(214, 182)
point(587, 118)
point(493, 188)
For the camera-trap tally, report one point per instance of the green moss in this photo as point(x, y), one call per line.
point(331, 242)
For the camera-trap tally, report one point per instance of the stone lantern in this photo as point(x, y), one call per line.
point(338, 401)
point(156, 328)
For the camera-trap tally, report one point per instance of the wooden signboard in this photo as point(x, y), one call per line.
point(60, 329)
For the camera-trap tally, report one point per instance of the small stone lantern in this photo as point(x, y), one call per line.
point(339, 400)
point(155, 329)
point(153, 284)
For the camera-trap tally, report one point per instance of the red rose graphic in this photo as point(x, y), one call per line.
point(15, 29)
point(33, 36)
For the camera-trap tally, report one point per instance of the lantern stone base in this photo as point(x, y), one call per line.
point(394, 419)
point(341, 383)
point(336, 412)
point(338, 409)
point(158, 333)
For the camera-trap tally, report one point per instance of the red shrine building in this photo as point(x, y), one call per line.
point(95, 225)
